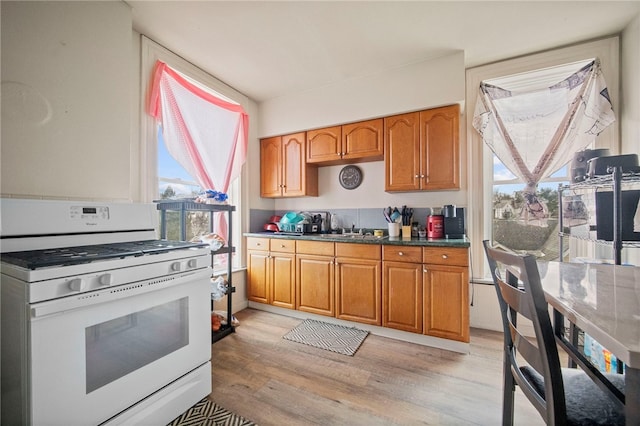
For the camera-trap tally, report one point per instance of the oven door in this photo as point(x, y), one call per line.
point(91, 362)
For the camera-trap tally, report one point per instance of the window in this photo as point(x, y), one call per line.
point(508, 208)
point(174, 182)
point(162, 176)
point(493, 195)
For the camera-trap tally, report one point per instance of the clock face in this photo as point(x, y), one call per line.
point(350, 177)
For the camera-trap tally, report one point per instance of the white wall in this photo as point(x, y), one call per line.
point(630, 81)
point(418, 86)
point(414, 87)
point(66, 106)
point(630, 105)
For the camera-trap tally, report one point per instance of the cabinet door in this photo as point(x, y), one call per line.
point(283, 267)
point(271, 167)
point(446, 302)
point(315, 290)
point(358, 290)
point(363, 141)
point(401, 152)
point(324, 145)
point(402, 296)
point(293, 165)
point(258, 276)
point(440, 153)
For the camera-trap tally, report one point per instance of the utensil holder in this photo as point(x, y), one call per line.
point(394, 230)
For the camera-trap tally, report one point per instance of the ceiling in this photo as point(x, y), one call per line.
point(268, 49)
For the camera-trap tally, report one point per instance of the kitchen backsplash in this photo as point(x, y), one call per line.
point(361, 218)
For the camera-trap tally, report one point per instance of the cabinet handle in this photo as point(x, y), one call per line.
point(444, 256)
point(417, 176)
point(425, 270)
point(281, 245)
point(400, 253)
point(422, 176)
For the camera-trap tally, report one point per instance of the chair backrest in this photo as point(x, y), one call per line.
point(517, 282)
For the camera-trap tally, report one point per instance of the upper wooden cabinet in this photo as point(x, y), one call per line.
point(349, 143)
point(440, 134)
point(283, 170)
point(422, 150)
point(324, 145)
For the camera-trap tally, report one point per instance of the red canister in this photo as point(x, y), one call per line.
point(435, 226)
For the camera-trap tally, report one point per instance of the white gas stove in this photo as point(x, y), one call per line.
point(102, 323)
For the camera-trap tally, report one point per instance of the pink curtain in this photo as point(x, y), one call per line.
point(207, 135)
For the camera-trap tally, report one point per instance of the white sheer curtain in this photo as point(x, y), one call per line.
point(206, 134)
point(536, 131)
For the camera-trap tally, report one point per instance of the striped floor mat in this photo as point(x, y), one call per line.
point(331, 337)
point(207, 413)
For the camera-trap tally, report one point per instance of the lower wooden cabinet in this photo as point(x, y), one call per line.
point(358, 292)
point(315, 283)
point(402, 295)
point(410, 288)
point(283, 273)
point(446, 293)
point(446, 299)
point(402, 288)
point(258, 276)
point(271, 271)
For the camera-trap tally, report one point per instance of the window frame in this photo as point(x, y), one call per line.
point(480, 177)
point(148, 158)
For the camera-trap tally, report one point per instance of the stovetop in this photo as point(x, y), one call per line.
point(64, 256)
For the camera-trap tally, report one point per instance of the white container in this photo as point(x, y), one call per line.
point(394, 229)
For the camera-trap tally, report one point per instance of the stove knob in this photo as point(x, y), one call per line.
point(105, 279)
point(76, 284)
point(192, 263)
point(175, 266)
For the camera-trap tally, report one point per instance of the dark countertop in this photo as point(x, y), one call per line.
point(338, 238)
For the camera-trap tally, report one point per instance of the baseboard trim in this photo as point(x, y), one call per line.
point(420, 339)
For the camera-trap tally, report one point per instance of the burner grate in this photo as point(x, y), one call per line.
point(65, 256)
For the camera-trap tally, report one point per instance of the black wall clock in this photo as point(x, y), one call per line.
point(350, 177)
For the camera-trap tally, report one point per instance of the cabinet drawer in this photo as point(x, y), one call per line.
point(254, 243)
point(402, 253)
point(359, 251)
point(283, 246)
point(445, 256)
point(314, 247)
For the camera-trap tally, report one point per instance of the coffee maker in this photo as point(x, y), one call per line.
point(453, 222)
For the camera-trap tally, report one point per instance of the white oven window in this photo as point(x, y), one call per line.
point(119, 346)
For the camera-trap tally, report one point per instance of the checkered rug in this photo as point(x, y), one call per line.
point(331, 337)
point(208, 413)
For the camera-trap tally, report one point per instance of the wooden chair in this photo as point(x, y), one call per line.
point(562, 396)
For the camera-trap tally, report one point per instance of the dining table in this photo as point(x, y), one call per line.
point(603, 302)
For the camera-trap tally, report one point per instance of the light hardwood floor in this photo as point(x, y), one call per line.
point(272, 381)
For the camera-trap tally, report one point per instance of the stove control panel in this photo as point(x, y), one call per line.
point(89, 213)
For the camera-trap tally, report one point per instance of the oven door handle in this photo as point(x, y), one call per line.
point(78, 301)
